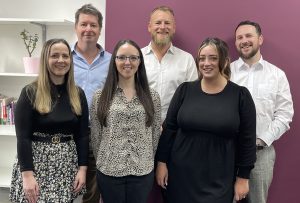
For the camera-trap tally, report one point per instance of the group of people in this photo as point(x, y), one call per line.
point(99, 123)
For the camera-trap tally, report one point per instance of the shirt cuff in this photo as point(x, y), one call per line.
point(266, 140)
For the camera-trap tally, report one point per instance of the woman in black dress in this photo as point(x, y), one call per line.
point(207, 147)
point(51, 121)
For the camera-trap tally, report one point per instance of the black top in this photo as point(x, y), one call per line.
point(61, 119)
point(208, 140)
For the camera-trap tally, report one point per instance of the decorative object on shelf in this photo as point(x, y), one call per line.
point(31, 64)
point(7, 106)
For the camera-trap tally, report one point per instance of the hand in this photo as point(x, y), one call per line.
point(241, 188)
point(80, 178)
point(162, 174)
point(30, 186)
point(260, 142)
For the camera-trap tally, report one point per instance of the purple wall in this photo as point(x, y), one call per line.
point(197, 20)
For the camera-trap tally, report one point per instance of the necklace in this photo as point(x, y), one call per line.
point(59, 90)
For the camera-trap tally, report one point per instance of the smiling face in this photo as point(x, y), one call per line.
point(127, 61)
point(208, 59)
point(87, 29)
point(248, 42)
point(162, 27)
point(59, 62)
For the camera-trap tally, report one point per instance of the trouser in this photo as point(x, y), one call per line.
point(126, 189)
point(92, 194)
point(261, 176)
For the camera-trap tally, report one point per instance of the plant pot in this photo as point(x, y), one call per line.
point(31, 64)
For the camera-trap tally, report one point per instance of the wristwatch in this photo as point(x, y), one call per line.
point(259, 147)
point(260, 144)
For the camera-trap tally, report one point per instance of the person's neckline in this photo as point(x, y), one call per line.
point(213, 94)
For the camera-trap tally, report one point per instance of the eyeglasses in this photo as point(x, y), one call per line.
point(131, 58)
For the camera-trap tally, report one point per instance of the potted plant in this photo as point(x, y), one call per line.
point(31, 64)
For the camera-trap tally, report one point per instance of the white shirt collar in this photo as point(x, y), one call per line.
point(244, 66)
point(149, 49)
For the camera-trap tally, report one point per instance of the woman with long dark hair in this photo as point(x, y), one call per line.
point(125, 128)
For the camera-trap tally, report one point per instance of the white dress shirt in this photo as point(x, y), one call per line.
point(270, 91)
point(176, 67)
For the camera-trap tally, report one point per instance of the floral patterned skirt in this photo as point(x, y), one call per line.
point(55, 168)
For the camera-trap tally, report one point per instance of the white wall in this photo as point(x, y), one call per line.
point(12, 48)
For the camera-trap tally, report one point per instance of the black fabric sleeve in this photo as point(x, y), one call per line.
point(81, 135)
point(24, 128)
point(246, 140)
point(170, 125)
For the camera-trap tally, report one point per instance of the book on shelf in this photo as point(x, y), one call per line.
point(7, 107)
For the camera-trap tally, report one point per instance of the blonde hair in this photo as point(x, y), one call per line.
point(162, 8)
point(43, 102)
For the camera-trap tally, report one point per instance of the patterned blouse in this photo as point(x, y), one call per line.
point(126, 146)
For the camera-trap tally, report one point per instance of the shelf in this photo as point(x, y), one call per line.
point(10, 21)
point(5, 176)
point(8, 130)
point(19, 74)
point(43, 23)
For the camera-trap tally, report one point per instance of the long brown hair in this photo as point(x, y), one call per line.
point(222, 49)
point(141, 86)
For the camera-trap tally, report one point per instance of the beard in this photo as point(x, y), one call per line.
point(248, 55)
point(162, 42)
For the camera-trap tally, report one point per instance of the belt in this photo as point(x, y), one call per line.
point(54, 139)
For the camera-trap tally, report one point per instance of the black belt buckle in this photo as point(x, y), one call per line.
point(55, 139)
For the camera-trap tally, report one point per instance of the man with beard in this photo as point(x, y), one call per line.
point(270, 90)
point(90, 71)
point(167, 66)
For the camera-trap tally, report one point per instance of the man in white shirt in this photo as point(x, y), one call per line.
point(270, 90)
point(167, 66)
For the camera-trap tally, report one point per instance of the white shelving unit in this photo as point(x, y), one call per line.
point(8, 152)
point(7, 130)
point(43, 23)
point(11, 83)
point(32, 20)
point(18, 74)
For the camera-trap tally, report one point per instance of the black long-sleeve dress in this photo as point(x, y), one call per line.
point(54, 165)
point(207, 140)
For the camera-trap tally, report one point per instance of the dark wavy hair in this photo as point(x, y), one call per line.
point(248, 22)
point(141, 86)
point(223, 54)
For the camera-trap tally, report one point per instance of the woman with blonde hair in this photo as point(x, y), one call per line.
point(51, 120)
